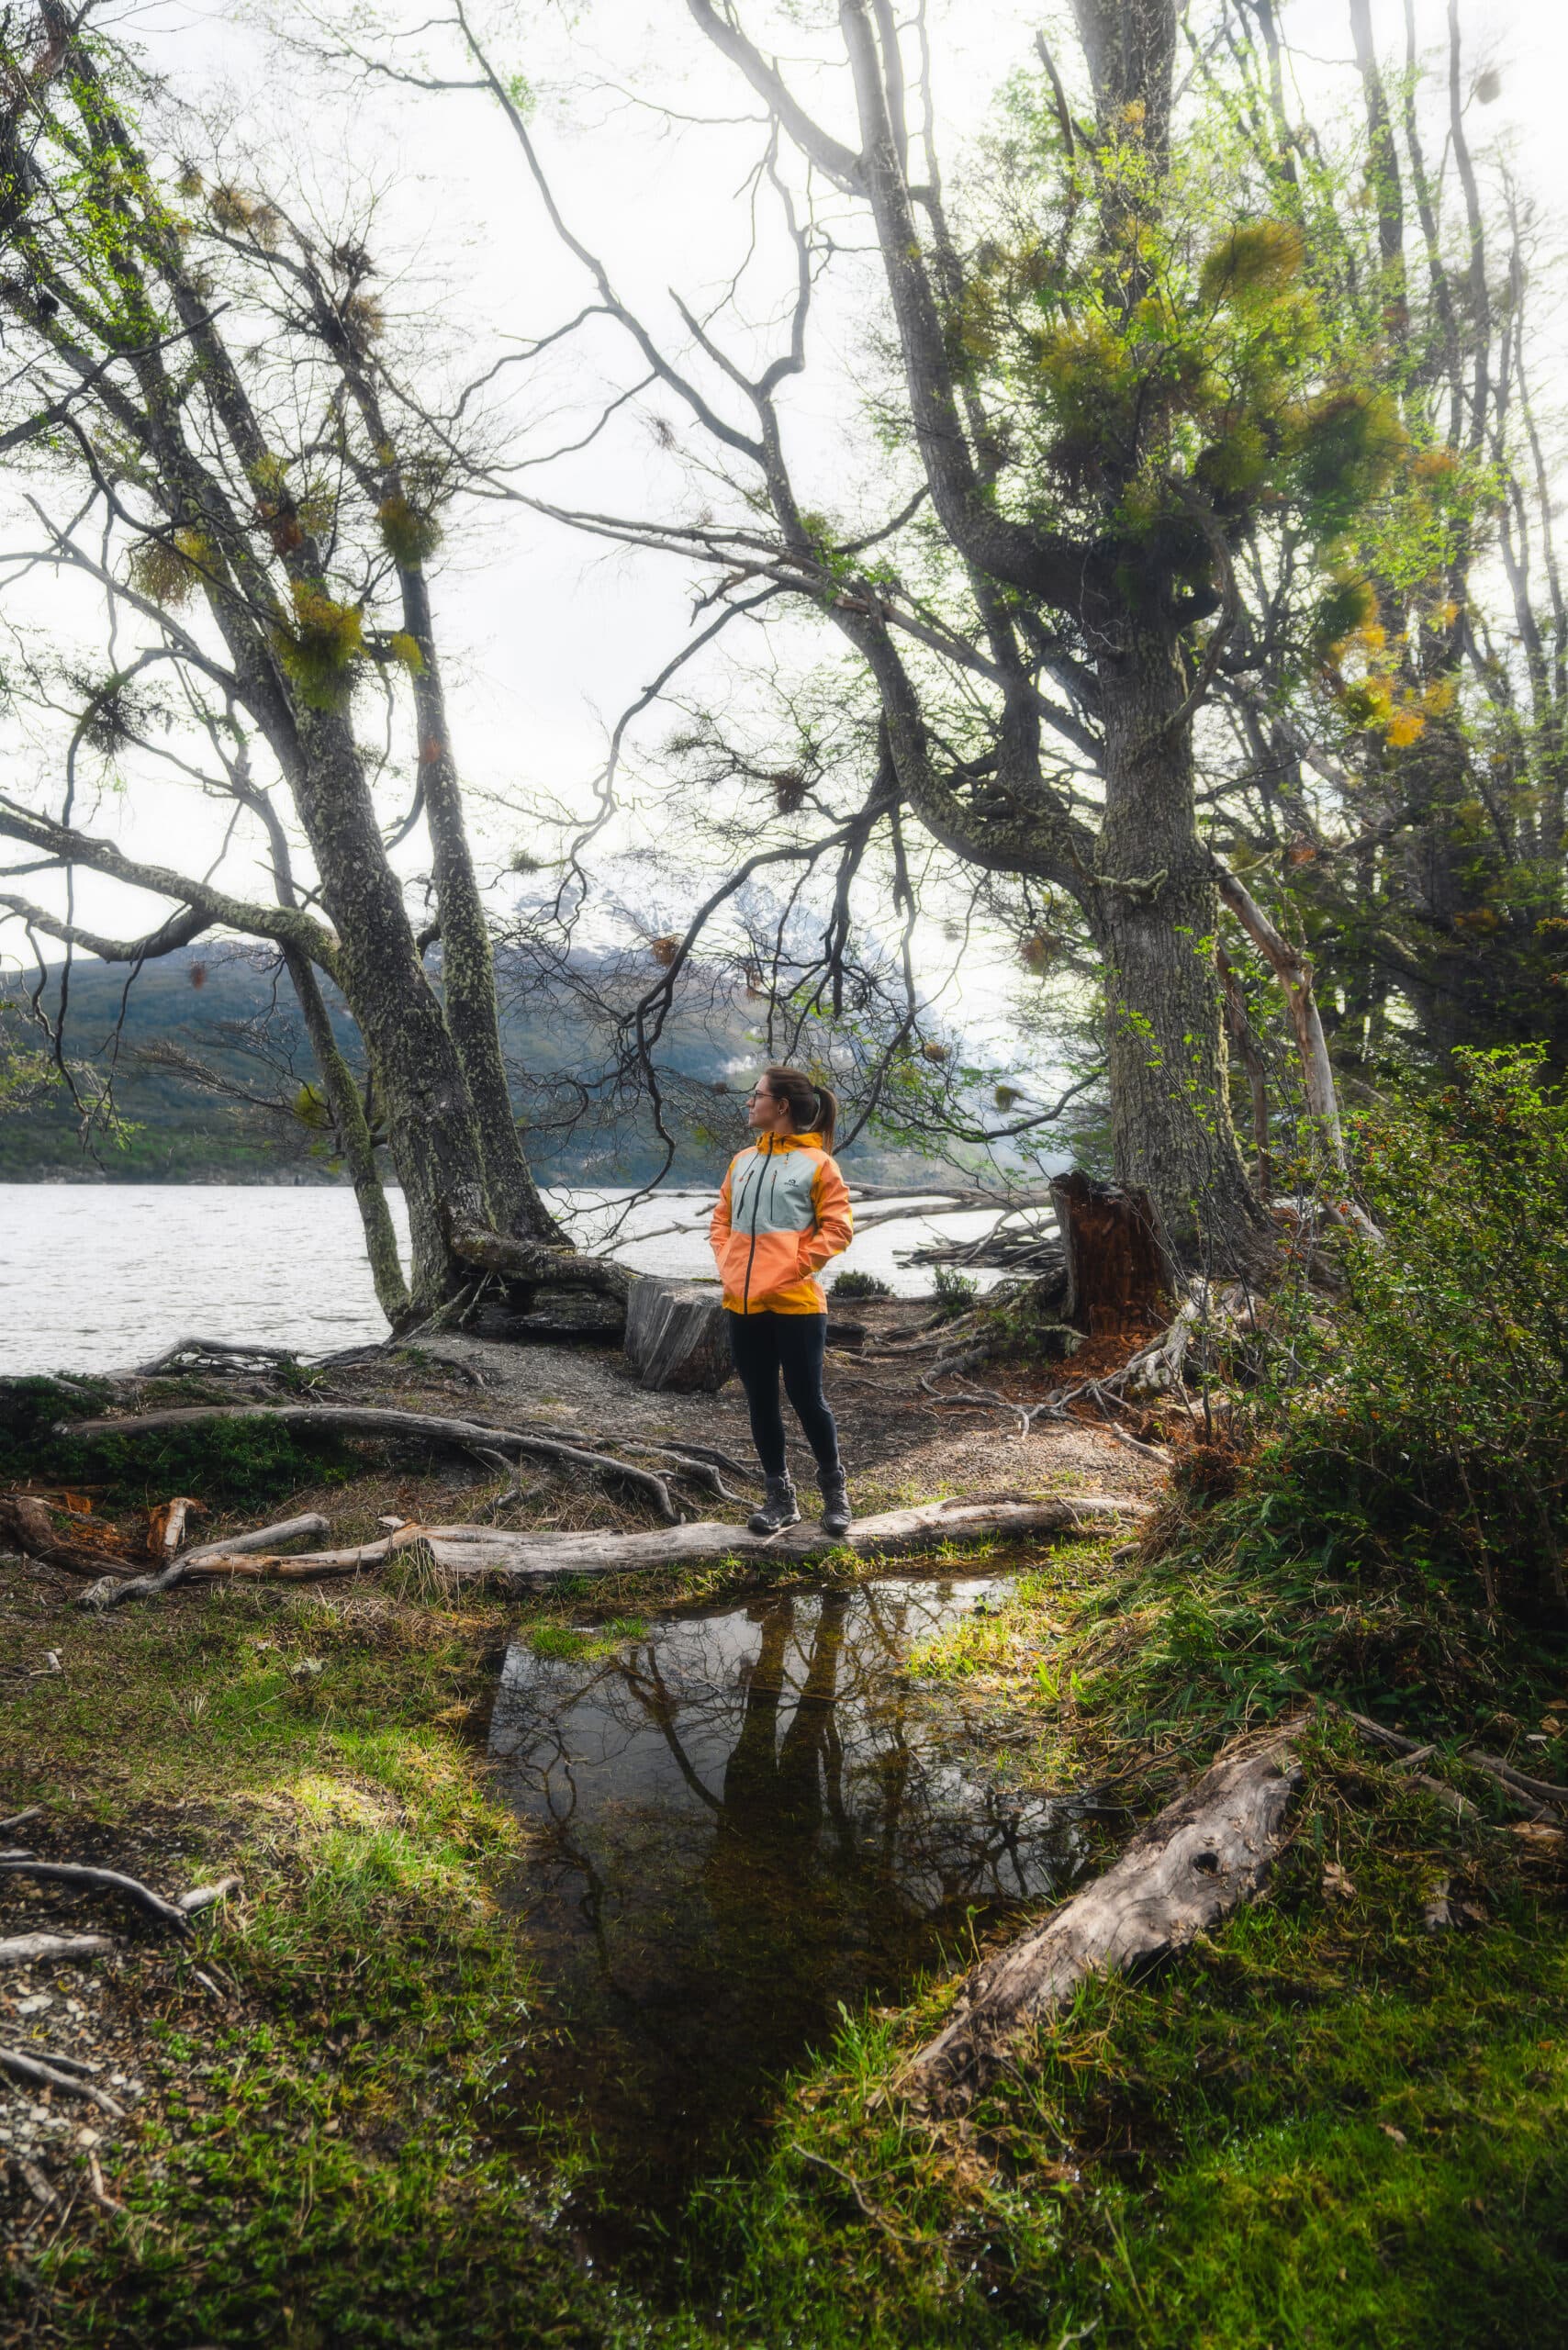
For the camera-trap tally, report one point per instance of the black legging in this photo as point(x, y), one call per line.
point(763, 1345)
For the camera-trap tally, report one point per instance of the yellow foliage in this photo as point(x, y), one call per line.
point(405, 649)
point(320, 652)
point(1405, 727)
point(410, 537)
point(1259, 258)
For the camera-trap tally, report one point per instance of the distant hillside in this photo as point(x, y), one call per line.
point(219, 1006)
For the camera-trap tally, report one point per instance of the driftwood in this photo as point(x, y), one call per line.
point(678, 1336)
point(1204, 1855)
point(523, 1559)
point(189, 1354)
point(111, 1591)
point(347, 1419)
point(1118, 1269)
point(39, 2075)
point(297, 1566)
point(125, 1888)
point(21, 1950)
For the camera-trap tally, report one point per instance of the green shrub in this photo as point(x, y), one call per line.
point(1430, 1429)
point(955, 1292)
point(850, 1288)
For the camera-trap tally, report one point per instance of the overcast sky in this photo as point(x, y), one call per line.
point(547, 635)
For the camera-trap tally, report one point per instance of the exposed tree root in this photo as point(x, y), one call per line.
point(351, 1420)
point(21, 1950)
point(124, 1888)
point(38, 2074)
point(1204, 1855)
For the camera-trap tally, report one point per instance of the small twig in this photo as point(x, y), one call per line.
point(204, 1896)
point(872, 2211)
point(87, 2066)
point(1543, 1790)
point(99, 2192)
point(37, 2075)
point(20, 1818)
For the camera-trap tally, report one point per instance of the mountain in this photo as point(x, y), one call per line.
point(224, 1006)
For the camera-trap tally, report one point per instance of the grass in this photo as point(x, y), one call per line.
point(1331, 2125)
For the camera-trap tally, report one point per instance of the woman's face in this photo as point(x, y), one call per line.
point(765, 1112)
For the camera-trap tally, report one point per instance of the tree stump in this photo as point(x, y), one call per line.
point(1118, 1269)
point(675, 1336)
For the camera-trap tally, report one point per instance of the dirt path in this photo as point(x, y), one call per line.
point(900, 1444)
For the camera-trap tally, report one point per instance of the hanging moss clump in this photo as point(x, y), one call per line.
point(320, 650)
point(410, 537)
point(169, 570)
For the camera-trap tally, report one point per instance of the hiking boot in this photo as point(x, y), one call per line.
point(836, 1501)
point(779, 1508)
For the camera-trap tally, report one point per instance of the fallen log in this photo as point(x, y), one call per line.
point(368, 1420)
point(531, 1265)
point(299, 1566)
point(21, 1950)
point(523, 1558)
point(1198, 1860)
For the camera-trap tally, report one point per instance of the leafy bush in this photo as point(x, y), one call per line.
point(851, 1287)
point(1432, 1424)
point(955, 1292)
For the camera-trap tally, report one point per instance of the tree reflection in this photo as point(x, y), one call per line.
point(750, 1817)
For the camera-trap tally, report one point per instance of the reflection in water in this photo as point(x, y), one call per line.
point(748, 1818)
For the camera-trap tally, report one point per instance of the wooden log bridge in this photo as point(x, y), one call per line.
point(522, 1561)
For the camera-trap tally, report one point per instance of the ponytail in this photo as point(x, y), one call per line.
point(812, 1106)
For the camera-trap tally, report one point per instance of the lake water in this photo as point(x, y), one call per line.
point(99, 1277)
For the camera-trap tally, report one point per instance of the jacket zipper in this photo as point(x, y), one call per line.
point(751, 1257)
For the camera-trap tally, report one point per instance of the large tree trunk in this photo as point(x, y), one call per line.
point(467, 965)
point(431, 1128)
point(1154, 911)
point(354, 1141)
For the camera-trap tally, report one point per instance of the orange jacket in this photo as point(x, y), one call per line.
point(783, 1211)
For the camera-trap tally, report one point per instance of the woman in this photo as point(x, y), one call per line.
point(782, 1213)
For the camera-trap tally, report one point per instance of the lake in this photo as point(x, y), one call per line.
point(102, 1276)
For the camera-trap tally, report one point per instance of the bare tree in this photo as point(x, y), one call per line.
point(1113, 390)
point(205, 390)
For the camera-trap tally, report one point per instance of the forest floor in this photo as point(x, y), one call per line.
point(1337, 2123)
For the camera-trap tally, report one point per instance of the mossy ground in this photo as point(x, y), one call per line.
point(1331, 2125)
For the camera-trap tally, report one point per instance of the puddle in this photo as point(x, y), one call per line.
point(749, 1815)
